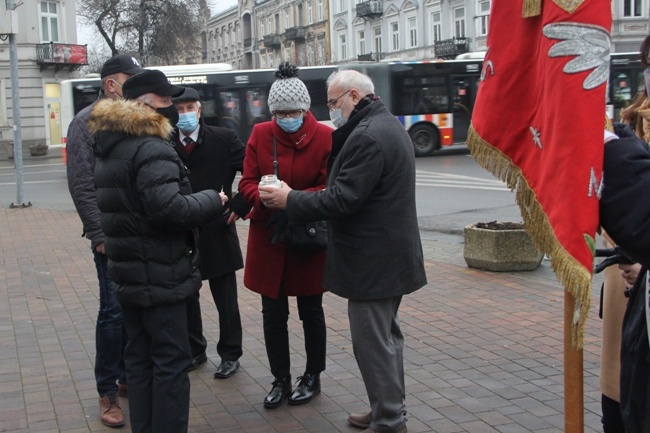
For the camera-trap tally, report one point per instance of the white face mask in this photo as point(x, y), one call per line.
point(337, 117)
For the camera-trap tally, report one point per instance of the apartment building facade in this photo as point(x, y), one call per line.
point(263, 33)
point(46, 35)
point(314, 32)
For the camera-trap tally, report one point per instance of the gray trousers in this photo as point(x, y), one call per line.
point(379, 350)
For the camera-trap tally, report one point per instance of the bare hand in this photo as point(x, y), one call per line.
point(275, 198)
point(100, 249)
point(630, 273)
point(232, 218)
point(224, 198)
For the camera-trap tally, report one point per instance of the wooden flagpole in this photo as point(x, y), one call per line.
point(573, 374)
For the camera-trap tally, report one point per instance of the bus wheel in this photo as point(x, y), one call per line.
point(425, 138)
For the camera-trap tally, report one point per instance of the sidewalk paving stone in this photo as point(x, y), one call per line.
point(483, 351)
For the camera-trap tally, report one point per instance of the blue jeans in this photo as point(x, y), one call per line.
point(110, 335)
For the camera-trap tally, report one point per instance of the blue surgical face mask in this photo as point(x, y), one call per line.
point(187, 122)
point(289, 124)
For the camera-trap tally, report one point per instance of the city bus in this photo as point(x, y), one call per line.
point(232, 98)
point(432, 99)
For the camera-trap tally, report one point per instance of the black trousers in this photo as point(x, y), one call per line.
point(156, 358)
point(612, 420)
point(224, 294)
point(276, 334)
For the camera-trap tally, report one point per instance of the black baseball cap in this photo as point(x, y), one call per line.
point(149, 81)
point(189, 94)
point(121, 63)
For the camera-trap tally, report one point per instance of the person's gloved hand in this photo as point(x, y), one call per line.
point(280, 222)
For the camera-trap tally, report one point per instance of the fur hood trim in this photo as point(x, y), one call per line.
point(129, 117)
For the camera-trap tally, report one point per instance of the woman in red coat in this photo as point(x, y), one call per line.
point(273, 270)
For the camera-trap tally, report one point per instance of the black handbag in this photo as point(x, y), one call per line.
point(305, 237)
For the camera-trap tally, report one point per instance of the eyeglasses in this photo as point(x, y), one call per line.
point(284, 114)
point(331, 103)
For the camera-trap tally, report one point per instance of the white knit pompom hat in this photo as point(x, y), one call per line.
point(288, 92)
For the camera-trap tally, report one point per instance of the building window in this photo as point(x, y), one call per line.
point(262, 28)
point(287, 24)
point(632, 8)
point(394, 27)
point(310, 13)
point(342, 4)
point(300, 16)
point(319, 10)
point(49, 22)
point(287, 54)
point(277, 23)
point(459, 22)
point(263, 60)
point(343, 48)
point(377, 31)
point(436, 27)
point(413, 32)
point(362, 41)
point(482, 17)
point(270, 25)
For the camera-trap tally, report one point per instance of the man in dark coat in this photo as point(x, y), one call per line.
point(150, 216)
point(110, 337)
point(625, 215)
point(374, 253)
point(213, 156)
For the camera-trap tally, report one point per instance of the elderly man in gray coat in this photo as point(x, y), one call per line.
point(374, 254)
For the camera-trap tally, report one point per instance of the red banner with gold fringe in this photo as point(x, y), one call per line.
point(538, 125)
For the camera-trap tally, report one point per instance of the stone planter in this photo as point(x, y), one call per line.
point(38, 149)
point(500, 247)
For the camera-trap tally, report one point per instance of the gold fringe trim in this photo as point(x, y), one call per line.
point(532, 8)
point(569, 6)
point(573, 276)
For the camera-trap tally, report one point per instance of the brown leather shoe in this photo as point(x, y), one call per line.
point(361, 420)
point(110, 411)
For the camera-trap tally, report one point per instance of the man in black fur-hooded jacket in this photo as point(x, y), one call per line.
point(149, 216)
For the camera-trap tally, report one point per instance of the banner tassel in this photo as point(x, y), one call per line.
point(532, 8)
point(573, 276)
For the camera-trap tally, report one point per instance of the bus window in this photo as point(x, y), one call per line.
point(622, 90)
point(230, 116)
point(256, 107)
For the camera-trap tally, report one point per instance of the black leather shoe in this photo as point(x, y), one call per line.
point(281, 390)
point(226, 369)
point(308, 388)
point(198, 360)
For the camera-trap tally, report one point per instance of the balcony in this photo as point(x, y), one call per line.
point(295, 33)
point(370, 57)
point(61, 56)
point(450, 48)
point(370, 9)
point(271, 41)
point(248, 43)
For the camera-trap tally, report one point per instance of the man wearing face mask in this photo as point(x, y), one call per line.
point(110, 337)
point(374, 252)
point(213, 156)
point(150, 219)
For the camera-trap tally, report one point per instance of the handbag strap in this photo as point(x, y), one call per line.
point(275, 157)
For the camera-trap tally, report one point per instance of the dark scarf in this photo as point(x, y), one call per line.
point(365, 101)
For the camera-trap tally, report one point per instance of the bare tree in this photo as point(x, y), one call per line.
point(159, 31)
